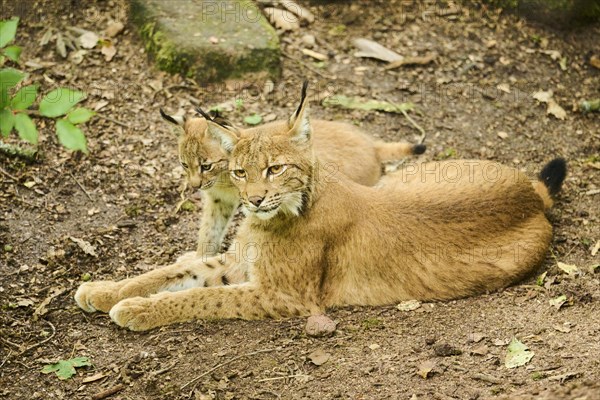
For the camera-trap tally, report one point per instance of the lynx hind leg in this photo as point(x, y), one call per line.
point(216, 218)
point(387, 152)
point(184, 274)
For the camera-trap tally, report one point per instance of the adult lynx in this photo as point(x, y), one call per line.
point(341, 148)
point(435, 231)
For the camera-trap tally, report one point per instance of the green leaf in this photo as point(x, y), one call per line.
point(7, 122)
point(13, 52)
point(558, 302)
point(26, 128)
point(253, 119)
point(70, 136)
point(9, 78)
point(81, 362)
point(517, 354)
point(8, 30)
point(80, 115)
point(59, 101)
point(65, 369)
point(24, 97)
point(356, 103)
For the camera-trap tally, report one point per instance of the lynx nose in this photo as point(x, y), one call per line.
point(256, 200)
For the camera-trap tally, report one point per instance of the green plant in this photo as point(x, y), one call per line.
point(16, 100)
point(65, 369)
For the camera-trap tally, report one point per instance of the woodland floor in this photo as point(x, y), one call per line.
point(122, 198)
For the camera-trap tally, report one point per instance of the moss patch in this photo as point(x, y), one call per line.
point(207, 40)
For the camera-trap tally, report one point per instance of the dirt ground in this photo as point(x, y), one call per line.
point(122, 198)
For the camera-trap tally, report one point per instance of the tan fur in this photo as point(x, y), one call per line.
point(342, 149)
point(434, 231)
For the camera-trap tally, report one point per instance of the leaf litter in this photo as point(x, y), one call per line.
point(517, 354)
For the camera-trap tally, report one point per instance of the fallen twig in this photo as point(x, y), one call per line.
point(4, 172)
point(423, 60)
point(196, 379)
point(414, 123)
point(284, 377)
point(487, 378)
point(104, 117)
point(316, 71)
point(108, 392)
point(41, 342)
point(81, 187)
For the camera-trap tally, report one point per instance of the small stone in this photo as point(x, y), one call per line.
point(319, 325)
point(309, 40)
point(430, 340)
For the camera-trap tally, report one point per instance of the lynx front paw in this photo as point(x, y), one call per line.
point(137, 314)
point(97, 296)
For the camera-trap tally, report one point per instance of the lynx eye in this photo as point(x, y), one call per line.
point(207, 167)
point(184, 165)
point(238, 173)
point(275, 170)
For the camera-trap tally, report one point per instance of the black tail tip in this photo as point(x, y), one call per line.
point(419, 149)
point(553, 175)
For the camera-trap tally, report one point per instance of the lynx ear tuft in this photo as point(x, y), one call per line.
point(176, 120)
point(226, 134)
point(300, 129)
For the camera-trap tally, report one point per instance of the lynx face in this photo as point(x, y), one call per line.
point(273, 167)
point(271, 181)
point(202, 159)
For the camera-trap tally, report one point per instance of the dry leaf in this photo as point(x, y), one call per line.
point(409, 305)
point(300, 11)
point(595, 61)
point(503, 87)
point(596, 248)
point(25, 303)
point(374, 346)
point(283, 19)
point(568, 268)
point(475, 337)
point(480, 350)
point(517, 354)
point(543, 96)
point(41, 310)
point(425, 368)
point(315, 55)
point(61, 47)
point(85, 246)
point(319, 357)
point(371, 49)
point(564, 328)
point(553, 107)
point(558, 302)
point(109, 52)
point(114, 28)
point(502, 135)
point(556, 110)
point(88, 40)
point(93, 378)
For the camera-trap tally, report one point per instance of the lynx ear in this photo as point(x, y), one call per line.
point(300, 129)
point(176, 120)
point(226, 134)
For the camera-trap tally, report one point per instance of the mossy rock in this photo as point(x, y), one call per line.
point(208, 41)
